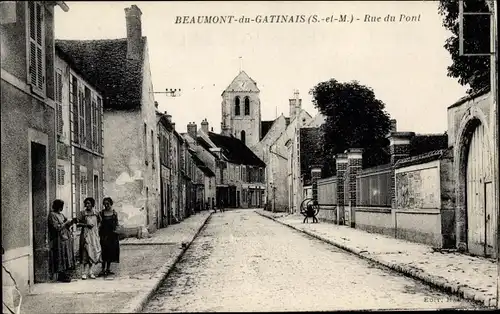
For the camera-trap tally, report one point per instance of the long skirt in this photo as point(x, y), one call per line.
point(62, 257)
point(110, 245)
point(90, 248)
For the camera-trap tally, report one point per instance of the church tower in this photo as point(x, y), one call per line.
point(241, 110)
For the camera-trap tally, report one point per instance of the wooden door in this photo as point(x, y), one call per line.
point(480, 215)
point(40, 211)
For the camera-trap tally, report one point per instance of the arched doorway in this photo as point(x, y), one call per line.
point(479, 194)
point(475, 216)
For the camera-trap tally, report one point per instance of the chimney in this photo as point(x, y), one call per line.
point(204, 126)
point(295, 104)
point(134, 32)
point(156, 104)
point(192, 129)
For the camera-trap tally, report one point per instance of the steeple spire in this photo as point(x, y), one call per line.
point(241, 64)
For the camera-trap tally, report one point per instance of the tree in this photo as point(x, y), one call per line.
point(354, 119)
point(472, 70)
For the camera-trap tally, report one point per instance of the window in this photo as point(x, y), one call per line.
point(58, 98)
point(74, 111)
point(60, 175)
point(243, 137)
point(96, 189)
point(99, 124)
point(247, 106)
point(81, 115)
point(237, 106)
point(94, 109)
point(87, 116)
point(83, 184)
point(152, 149)
point(36, 51)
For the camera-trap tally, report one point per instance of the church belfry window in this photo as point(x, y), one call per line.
point(243, 135)
point(247, 106)
point(237, 106)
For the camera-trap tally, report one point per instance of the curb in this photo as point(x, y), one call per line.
point(437, 282)
point(137, 303)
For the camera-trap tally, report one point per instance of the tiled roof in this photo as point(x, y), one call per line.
point(201, 165)
point(265, 127)
point(204, 144)
point(104, 63)
point(235, 151)
point(310, 150)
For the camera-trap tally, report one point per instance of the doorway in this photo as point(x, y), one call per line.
point(481, 218)
point(96, 190)
point(40, 211)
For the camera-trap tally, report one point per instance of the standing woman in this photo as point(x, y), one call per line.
point(62, 256)
point(109, 237)
point(90, 248)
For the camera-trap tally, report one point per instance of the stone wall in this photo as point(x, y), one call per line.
point(423, 211)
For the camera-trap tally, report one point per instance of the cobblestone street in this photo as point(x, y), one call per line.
point(244, 262)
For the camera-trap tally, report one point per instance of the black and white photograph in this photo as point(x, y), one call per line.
point(249, 156)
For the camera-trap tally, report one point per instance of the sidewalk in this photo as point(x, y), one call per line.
point(144, 263)
point(473, 278)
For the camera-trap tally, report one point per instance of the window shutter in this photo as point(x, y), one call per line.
point(94, 123)
point(36, 46)
point(99, 124)
point(58, 96)
point(83, 183)
point(60, 175)
point(32, 34)
point(81, 98)
point(75, 110)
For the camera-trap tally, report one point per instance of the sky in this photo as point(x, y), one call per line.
point(405, 63)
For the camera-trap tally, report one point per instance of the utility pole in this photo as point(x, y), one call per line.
point(495, 112)
point(170, 92)
point(493, 6)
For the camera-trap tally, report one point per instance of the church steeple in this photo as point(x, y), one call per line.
point(241, 114)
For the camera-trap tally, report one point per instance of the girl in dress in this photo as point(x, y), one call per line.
point(109, 237)
point(90, 248)
point(61, 242)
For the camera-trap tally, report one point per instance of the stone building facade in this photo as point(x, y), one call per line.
point(29, 137)
point(80, 160)
point(120, 67)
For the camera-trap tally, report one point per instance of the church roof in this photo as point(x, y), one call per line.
point(242, 83)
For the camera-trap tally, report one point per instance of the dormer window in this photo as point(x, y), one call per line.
point(247, 106)
point(237, 106)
